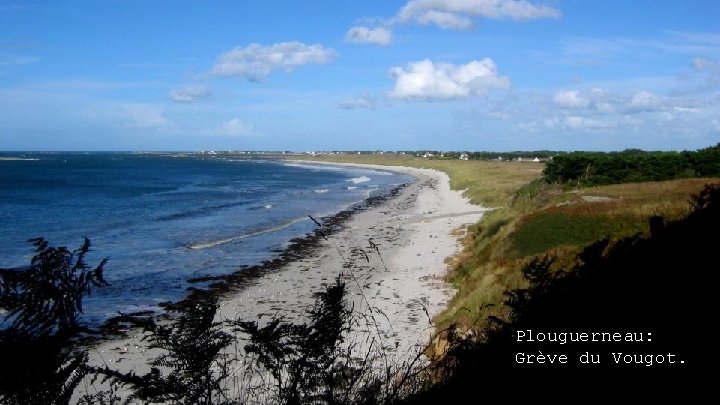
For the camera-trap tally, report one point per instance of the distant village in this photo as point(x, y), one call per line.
point(517, 156)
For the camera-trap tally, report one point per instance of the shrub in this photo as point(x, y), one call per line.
point(42, 304)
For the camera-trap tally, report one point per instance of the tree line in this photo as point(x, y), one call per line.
point(631, 165)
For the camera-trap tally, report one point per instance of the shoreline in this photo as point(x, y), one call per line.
point(416, 234)
point(403, 279)
point(297, 248)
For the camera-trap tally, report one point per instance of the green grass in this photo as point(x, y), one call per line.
point(548, 229)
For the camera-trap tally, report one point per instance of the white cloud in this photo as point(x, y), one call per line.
point(361, 102)
point(426, 80)
point(189, 94)
point(579, 122)
point(231, 128)
point(570, 99)
point(365, 35)
point(445, 20)
point(457, 14)
point(256, 61)
point(601, 114)
point(644, 101)
point(598, 100)
point(601, 110)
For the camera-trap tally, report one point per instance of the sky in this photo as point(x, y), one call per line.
point(473, 75)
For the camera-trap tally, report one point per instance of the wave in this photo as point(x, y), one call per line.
point(217, 242)
point(317, 167)
point(311, 166)
point(321, 191)
point(351, 187)
point(358, 180)
point(200, 211)
point(260, 207)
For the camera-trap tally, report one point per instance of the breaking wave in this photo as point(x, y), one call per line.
point(358, 180)
point(217, 242)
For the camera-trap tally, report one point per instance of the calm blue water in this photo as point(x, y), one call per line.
point(162, 218)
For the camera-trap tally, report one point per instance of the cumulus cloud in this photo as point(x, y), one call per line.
point(189, 94)
point(365, 35)
point(599, 100)
point(624, 112)
point(570, 99)
point(644, 101)
point(361, 102)
point(599, 109)
point(444, 20)
point(425, 80)
point(255, 61)
point(457, 14)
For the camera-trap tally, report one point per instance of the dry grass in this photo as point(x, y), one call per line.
point(665, 198)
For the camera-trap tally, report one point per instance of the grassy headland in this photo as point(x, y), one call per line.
point(532, 218)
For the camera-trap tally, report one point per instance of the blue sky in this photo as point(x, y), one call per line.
point(372, 74)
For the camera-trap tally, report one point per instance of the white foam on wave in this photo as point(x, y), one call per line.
point(358, 180)
point(352, 187)
point(321, 191)
point(213, 243)
point(315, 167)
point(268, 206)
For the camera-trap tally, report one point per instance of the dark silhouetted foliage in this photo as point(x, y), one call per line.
point(658, 286)
point(39, 362)
point(44, 370)
point(192, 365)
point(288, 363)
point(47, 297)
point(306, 360)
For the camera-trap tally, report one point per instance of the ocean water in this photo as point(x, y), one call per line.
point(163, 218)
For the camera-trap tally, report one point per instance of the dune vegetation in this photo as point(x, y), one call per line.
point(535, 215)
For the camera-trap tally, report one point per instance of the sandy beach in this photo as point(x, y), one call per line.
point(392, 257)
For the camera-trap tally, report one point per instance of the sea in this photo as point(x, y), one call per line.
point(165, 218)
